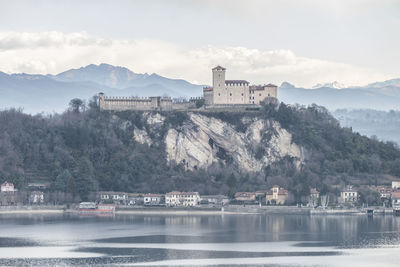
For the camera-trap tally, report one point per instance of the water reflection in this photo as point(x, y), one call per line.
point(74, 240)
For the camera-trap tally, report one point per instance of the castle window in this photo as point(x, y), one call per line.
point(230, 94)
point(242, 94)
point(268, 94)
point(219, 94)
point(259, 94)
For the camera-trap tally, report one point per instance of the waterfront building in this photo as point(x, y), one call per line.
point(395, 184)
point(185, 199)
point(245, 196)
point(218, 200)
point(7, 187)
point(152, 199)
point(396, 200)
point(276, 195)
point(120, 198)
point(349, 195)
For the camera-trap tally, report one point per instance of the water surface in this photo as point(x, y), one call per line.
point(199, 240)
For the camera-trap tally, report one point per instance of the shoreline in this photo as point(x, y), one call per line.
point(227, 210)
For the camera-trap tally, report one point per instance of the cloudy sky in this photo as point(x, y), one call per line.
point(304, 42)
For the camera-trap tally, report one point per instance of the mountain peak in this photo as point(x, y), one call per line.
point(287, 85)
point(334, 85)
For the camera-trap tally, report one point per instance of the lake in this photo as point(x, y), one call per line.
point(199, 240)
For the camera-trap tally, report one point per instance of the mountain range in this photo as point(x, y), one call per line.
point(51, 93)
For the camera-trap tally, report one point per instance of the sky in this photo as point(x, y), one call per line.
point(354, 42)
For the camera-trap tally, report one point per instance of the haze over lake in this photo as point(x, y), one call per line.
point(171, 240)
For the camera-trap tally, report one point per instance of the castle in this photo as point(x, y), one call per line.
point(236, 92)
point(225, 94)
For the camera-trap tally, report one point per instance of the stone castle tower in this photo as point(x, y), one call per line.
point(219, 88)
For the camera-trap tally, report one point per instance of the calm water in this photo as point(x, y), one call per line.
point(212, 240)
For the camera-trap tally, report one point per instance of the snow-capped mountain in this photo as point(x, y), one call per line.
point(334, 85)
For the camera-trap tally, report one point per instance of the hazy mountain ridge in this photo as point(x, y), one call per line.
point(37, 93)
point(380, 96)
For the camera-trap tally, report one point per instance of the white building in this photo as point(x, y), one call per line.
point(113, 197)
point(152, 199)
point(395, 184)
point(7, 187)
point(349, 195)
point(185, 199)
point(236, 92)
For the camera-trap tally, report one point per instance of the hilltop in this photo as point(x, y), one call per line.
point(86, 150)
point(27, 91)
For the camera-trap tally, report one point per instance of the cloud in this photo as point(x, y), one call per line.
point(54, 52)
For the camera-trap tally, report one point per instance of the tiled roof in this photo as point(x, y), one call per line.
point(206, 89)
point(182, 193)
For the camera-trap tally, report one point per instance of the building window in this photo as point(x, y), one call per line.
point(219, 94)
point(242, 94)
point(230, 94)
point(259, 94)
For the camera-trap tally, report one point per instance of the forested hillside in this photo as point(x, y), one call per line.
point(84, 150)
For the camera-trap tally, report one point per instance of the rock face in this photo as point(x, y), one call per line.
point(202, 141)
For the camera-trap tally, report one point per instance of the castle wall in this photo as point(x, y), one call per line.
point(237, 93)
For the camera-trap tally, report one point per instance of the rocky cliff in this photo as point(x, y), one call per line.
point(202, 140)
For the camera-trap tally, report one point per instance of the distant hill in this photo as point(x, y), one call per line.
point(212, 153)
point(51, 93)
point(380, 96)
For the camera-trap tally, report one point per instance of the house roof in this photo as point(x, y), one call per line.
point(236, 81)
point(219, 68)
point(182, 193)
point(205, 89)
point(271, 85)
point(112, 193)
point(396, 194)
point(7, 183)
point(281, 191)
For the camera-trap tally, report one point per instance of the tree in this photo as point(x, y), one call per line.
point(60, 184)
point(77, 105)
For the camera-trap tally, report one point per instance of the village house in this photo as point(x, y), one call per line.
point(396, 200)
point(152, 199)
point(217, 200)
point(349, 195)
point(395, 185)
point(276, 196)
point(185, 199)
point(120, 198)
point(245, 196)
point(8, 187)
point(36, 197)
point(385, 192)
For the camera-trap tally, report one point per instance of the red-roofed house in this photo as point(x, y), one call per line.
point(277, 195)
